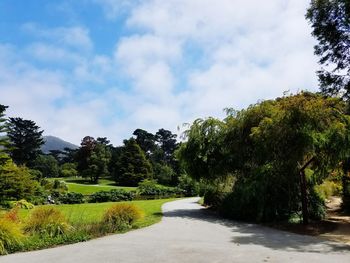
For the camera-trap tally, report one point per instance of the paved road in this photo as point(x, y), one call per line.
point(191, 234)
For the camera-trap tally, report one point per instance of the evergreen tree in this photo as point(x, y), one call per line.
point(132, 165)
point(26, 139)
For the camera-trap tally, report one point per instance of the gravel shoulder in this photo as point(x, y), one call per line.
point(190, 233)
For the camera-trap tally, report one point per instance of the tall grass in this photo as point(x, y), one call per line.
point(47, 220)
point(10, 233)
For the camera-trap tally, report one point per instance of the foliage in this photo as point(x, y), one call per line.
point(26, 138)
point(132, 167)
point(202, 156)
point(17, 183)
point(328, 188)
point(93, 158)
point(23, 204)
point(115, 195)
point(47, 165)
point(330, 24)
point(267, 147)
point(145, 140)
point(10, 235)
point(164, 174)
point(121, 217)
point(68, 170)
point(188, 186)
point(151, 188)
point(71, 198)
point(47, 221)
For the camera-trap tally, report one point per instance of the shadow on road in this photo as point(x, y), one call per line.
point(253, 234)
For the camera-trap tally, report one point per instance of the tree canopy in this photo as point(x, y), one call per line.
point(267, 148)
point(330, 21)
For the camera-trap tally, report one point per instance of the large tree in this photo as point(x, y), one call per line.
point(269, 148)
point(330, 21)
point(145, 140)
point(26, 139)
point(93, 158)
point(132, 165)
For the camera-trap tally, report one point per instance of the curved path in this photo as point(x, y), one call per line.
point(189, 233)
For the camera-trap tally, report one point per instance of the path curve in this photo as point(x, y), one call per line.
point(189, 233)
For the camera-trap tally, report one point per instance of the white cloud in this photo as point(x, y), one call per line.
point(178, 60)
point(76, 37)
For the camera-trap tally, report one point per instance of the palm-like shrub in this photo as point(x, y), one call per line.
point(47, 221)
point(121, 217)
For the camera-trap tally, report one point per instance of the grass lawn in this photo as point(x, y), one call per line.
point(92, 212)
point(80, 185)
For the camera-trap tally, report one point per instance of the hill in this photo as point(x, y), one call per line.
point(55, 143)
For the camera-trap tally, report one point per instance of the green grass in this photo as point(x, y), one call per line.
point(86, 222)
point(92, 213)
point(80, 185)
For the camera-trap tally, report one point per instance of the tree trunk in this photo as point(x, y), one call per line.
point(304, 197)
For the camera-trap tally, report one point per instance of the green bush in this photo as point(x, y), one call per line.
point(21, 204)
point(71, 198)
point(10, 236)
point(188, 185)
point(328, 188)
point(151, 188)
point(47, 221)
point(121, 217)
point(317, 206)
point(115, 195)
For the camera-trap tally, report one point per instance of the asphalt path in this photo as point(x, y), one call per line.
point(190, 233)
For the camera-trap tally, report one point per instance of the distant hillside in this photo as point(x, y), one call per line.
point(55, 143)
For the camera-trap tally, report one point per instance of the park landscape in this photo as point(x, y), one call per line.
point(267, 182)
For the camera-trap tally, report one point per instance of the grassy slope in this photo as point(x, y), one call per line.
point(82, 186)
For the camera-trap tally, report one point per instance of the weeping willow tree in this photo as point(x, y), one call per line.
point(269, 147)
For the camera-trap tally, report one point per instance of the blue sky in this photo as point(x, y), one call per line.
point(107, 67)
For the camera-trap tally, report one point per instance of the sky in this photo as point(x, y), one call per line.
point(104, 68)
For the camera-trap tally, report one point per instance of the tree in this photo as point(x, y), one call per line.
point(167, 142)
point(4, 141)
point(269, 148)
point(93, 158)
point(26, 138)
point(330, 21)
point(97, 163)
point(145, 140)
point(132, 166)
point(17, 183)
point(47, 165)
point(84, 153)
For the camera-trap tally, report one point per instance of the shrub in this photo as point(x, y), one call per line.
point(115, 195)
point(47, 220)
point(188, 185)
point(121, 217)
point(24, 204)
point(151, 188)
point(10, 235)
point(71, 198)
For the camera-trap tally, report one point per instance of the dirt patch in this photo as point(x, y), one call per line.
point(335, 227)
